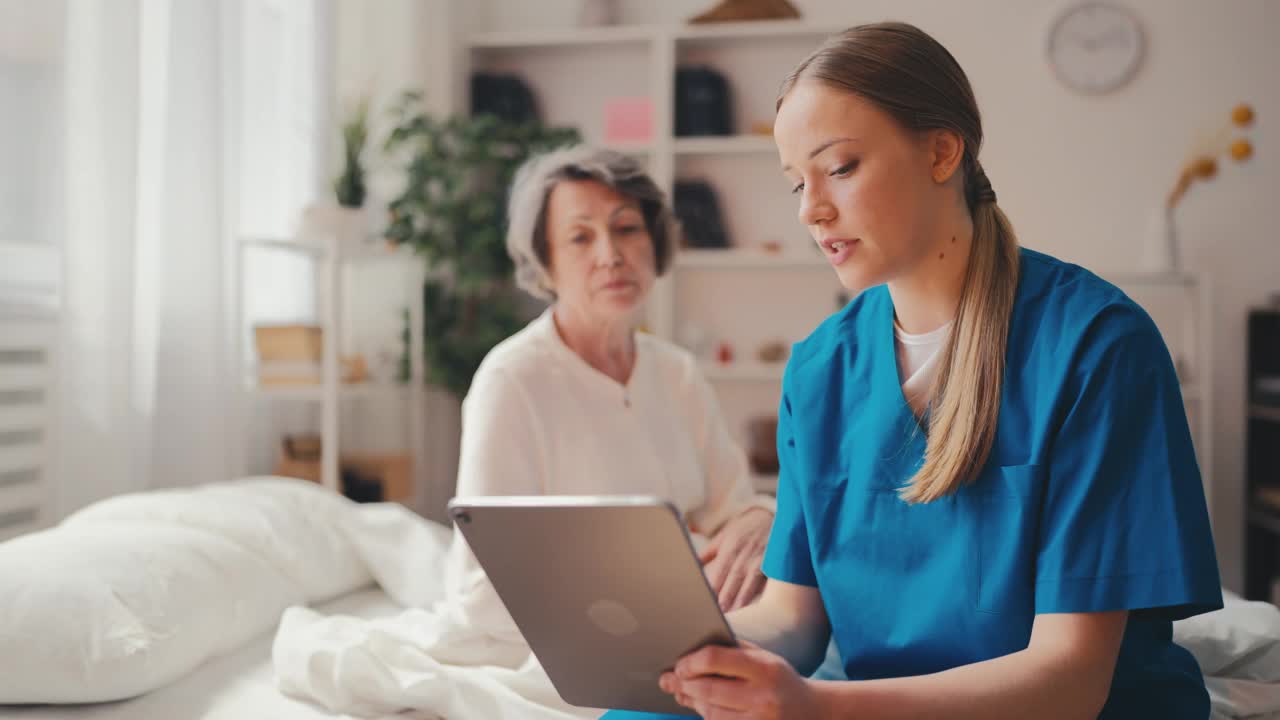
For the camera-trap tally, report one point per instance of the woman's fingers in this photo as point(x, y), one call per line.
point(751, 589)
point(727, 662)
point(728, 594)
point(726, 683)
point(744, 579)
point(716, 693)
point(709, 551)
point(669, 683)
point(716, 571)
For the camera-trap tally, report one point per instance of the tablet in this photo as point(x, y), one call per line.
point(606, 590)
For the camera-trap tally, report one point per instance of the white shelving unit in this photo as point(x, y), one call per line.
point(1182, 306)
point(333, 255)
point(316, 392)
point(730, 295)
point(746, 295)
point(730, 32)
point(749, 260)
point(730, 145)
point(564, 37)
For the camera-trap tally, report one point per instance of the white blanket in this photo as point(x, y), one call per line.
point(431, 658)
point(1238, 648)
point(442, 662)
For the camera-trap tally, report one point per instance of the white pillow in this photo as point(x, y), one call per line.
point(295, 525)
point(134, 592)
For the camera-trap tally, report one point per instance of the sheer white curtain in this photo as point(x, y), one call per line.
point(158, 138)
point(281, 119)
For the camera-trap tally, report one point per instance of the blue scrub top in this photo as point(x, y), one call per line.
point(1090, 501)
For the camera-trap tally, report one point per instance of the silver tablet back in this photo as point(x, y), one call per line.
point(606, 590)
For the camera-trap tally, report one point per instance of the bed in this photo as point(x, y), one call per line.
point(237, 686)
point(223, 601)
point(266, 585)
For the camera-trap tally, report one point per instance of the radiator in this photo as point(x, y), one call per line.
point(28, 336)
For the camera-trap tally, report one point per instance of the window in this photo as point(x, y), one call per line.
point(281, 126)
point(31, 50)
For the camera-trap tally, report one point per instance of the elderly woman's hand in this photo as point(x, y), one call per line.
point(732, 559)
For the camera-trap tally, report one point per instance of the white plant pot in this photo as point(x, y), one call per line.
point(1160, 252)
point(350, 226)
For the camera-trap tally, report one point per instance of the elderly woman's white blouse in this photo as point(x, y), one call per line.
point(539, 420)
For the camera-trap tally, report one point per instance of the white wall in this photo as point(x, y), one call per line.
point(1077, 175)
point(32, 31)
point(383, 48)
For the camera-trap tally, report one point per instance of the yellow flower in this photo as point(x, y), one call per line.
point(1241, 150)
point(1242, 115)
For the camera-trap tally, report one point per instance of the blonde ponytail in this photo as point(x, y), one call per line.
point(965, 406)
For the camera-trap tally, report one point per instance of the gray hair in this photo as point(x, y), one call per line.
point(527, 208)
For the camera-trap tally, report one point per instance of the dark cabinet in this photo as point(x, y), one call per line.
point(1262, 456)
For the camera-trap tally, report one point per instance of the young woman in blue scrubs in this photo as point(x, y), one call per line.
point(1014, 539)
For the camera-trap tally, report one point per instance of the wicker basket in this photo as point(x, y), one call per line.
point(288, 343)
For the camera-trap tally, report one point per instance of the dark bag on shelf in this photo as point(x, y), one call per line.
point(696, 206)
point(702, 102)
point(506, 96)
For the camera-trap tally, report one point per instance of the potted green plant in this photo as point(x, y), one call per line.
point(452, 211)
point(346, 218)
point(349, 187)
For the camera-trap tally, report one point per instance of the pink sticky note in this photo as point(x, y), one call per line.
point(628, 120)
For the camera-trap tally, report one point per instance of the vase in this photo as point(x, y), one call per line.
point(1160, 243)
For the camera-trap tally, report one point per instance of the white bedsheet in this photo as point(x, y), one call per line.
point(434, 658)
point(1238, 648)
point(237, 686)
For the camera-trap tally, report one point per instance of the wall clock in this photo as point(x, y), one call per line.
point(1095, 47)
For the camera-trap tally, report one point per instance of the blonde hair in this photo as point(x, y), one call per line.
point(909, 75)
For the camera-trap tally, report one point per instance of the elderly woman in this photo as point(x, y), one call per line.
point(579, 402)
